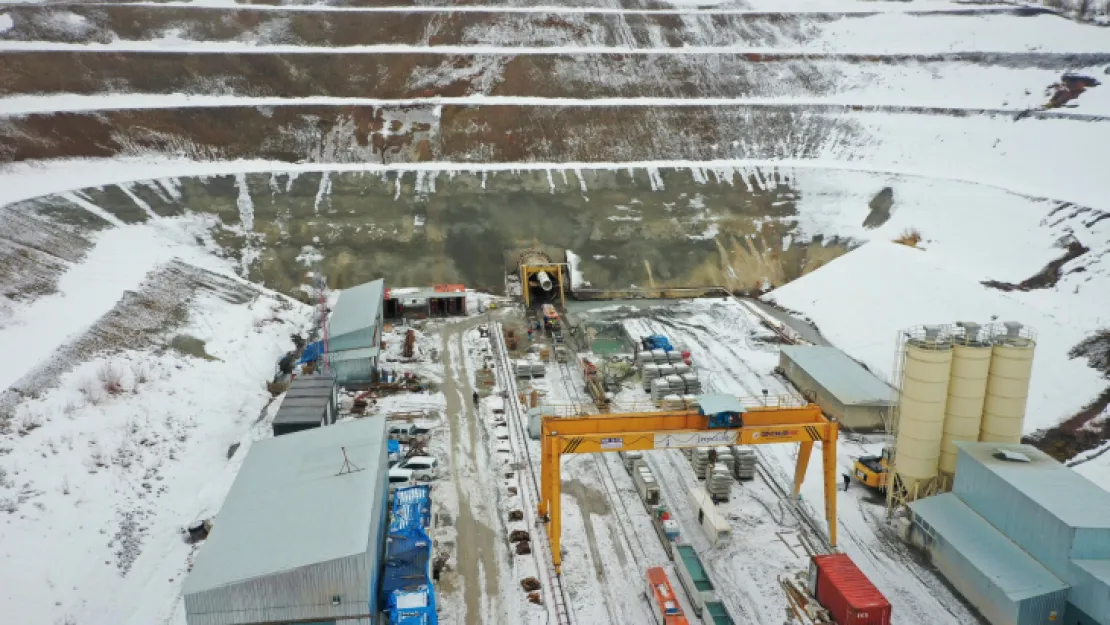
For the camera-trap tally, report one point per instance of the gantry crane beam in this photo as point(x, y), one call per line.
point(642, 431)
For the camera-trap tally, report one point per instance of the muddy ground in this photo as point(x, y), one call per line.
point(420, 229)
point(413, 75)
point(106, 23)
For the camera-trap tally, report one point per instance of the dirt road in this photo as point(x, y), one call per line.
point(478, 522)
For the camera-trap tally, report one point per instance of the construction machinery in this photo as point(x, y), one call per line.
point(874, 471)
point(720, 420)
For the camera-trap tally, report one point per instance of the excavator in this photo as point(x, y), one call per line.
point(874, 471)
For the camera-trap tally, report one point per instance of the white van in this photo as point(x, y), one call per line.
point(400, 478)
point(423, 467)
point(405, 432)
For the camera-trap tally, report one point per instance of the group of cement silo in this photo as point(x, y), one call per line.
point(960, 382)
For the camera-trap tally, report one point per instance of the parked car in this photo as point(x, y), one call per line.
point(423, 467)
point(407, 431)
point(400, 477)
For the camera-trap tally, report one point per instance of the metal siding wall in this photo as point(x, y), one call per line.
point(357, 339)
point(1074, 615)
point(301, 594)
point(1038, 610)
point(1091, 544)
point(1090, 595)
point(348, 371)
point(863, 417)
point(978, 589)
point(1033, 529)
point(377, 532)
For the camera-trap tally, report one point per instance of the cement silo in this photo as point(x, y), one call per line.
point(1011, 368)
point(967, 389)
point(927, 364)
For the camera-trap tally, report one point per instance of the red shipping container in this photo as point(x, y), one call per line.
point(845, 591)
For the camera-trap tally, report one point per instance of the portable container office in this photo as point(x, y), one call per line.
point(302, 413)
point(1004, 583)
point(316, 386)
point(693, 577)
point(715, 525)
point(846, 592)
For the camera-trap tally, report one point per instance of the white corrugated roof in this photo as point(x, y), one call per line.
point(357, 308)
point(841, 376)
point(289, 508)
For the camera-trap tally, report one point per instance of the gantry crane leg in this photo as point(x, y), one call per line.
point(805, 448)
point(828, 455)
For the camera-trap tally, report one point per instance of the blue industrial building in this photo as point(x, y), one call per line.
point(1025, 539)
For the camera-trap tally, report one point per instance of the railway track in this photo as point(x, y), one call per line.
point(558, 602)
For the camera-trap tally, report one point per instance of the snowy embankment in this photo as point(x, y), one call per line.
point(139, 385)
point(862, 300)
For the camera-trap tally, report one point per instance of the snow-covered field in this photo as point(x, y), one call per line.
point(137, 356)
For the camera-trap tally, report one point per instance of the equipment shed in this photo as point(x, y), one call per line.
point(841, 386)
point(355, 330)
point(1002, 581)
point(299, 537)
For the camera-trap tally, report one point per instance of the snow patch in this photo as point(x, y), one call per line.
point(246, 205)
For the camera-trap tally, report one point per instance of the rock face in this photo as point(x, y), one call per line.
point(880, 208)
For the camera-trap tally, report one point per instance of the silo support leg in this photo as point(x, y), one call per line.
point(804, 450)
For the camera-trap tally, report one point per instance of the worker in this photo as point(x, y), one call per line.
point(475, 399)
point(847, 481)
point(529, 335)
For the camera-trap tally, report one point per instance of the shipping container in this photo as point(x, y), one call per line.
point(693, 577)
point(845, 591)
point(715, 525)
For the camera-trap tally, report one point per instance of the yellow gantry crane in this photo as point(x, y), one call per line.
point(642, 431)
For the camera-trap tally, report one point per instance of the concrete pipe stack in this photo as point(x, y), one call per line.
point(673, 402)
point(725, 457)
point(690, 402)
point(699, 461)
point(719, 484)
point(528, 368)
point(743, 467)
point(649, 372)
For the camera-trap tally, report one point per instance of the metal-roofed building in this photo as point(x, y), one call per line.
point(1048, 511)
point(355, 326)
point(311, 401)
point(300, 535)
point(1055, 514)
point(841, 386)
point(1003, 582)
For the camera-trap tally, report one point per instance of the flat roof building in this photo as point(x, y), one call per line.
point(1056, 517)
point(311, 401)
point(841, 386)
point(299, 537)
